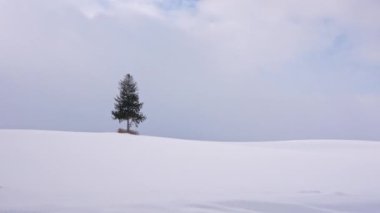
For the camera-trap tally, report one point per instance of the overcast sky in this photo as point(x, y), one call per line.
point(206, 69)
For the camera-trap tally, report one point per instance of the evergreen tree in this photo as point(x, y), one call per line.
point(128, 106)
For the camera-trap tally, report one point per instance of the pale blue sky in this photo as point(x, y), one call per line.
point(206, 69)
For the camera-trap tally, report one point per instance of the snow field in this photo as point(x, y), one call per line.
point(46, 171)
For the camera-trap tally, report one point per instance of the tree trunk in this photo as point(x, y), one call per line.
point(128, 126)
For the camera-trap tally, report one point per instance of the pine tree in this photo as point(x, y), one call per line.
point(128, 106)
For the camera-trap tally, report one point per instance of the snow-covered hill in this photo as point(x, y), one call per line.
point(44, 171)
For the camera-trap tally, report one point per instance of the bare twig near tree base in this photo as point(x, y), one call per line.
point(132, 132)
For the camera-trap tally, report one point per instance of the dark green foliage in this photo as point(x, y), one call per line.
point(128, 106)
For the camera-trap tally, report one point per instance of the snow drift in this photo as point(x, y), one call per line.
point(45, 171)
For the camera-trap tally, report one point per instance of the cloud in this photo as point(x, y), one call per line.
point(265, 34)
point(275, 33)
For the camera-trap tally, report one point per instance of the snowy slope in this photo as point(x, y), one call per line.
point(43, 171)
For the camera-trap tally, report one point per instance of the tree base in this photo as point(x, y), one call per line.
point(132, 132)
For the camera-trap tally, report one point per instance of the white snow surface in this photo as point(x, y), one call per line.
point(47, 171)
